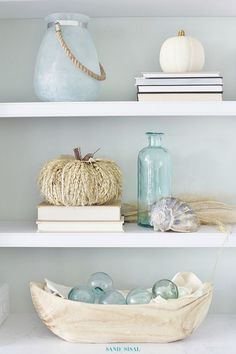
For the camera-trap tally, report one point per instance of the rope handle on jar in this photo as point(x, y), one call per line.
point(74, 60)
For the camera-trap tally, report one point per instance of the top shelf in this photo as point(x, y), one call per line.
point(116, 109)
point(121, 8)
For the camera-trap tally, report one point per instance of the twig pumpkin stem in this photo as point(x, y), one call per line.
point(77, 153)
point(89, 156)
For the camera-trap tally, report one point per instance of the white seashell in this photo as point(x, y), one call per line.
point(57, 289)
point(188, 280)
point(173, 214)
point(184, 291)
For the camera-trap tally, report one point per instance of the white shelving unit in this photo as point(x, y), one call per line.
point(24, 333)
point(116, 109)
point(122, 8)
point(25, 235)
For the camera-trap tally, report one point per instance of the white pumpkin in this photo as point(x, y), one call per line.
point(182, 54)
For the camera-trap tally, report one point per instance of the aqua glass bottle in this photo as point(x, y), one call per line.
point(154, 176)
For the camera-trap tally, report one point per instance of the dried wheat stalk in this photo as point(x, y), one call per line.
point(210, 212)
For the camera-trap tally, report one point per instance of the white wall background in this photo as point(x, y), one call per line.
point(203, 151)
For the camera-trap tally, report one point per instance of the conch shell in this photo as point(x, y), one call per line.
point(173, 214)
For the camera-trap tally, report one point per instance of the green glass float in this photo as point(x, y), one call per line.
point(166, 289)
point(112, 297)
point(100, 282)
point(138, 296)
point(82, 293)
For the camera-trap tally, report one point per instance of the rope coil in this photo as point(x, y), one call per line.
point(74, 60)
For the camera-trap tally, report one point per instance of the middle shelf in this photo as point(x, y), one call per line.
point(24, 234)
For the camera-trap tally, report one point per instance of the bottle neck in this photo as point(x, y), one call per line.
point(154, 140)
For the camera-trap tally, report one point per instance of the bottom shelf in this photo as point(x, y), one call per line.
point(24, 333)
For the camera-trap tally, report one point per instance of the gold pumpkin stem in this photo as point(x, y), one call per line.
point(181, 33)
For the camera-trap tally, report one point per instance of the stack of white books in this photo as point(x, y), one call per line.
point(198, 86)
point(102, 218)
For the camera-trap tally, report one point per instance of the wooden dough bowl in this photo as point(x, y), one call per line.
point(161, 322)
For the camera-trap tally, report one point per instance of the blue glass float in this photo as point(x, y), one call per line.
point(112, 297)
point(166, 289)
point(56, 78)
point(138, 296)
point(100, 282)
point(82, 293)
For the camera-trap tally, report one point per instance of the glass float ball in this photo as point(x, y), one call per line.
point(82, 293)
point(100, 282)
point(138, 296)
point(98, 293)
point(112, 297)
point(166, 289)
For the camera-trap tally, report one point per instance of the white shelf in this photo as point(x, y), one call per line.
point(24, 333)
point(24, 234)
point(116, 109)
point(114, 8)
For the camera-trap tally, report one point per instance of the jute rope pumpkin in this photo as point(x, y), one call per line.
point(80, 181)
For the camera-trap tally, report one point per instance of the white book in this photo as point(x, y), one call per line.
point(49, 212)
point(170, 89)
point(168, 97)
point(179, 81)
point(80, 226)
point(198, 74)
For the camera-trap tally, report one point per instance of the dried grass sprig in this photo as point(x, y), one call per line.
point(209, 212)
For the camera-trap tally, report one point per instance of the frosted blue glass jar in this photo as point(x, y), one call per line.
point(154, 176)
point(56, 77)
